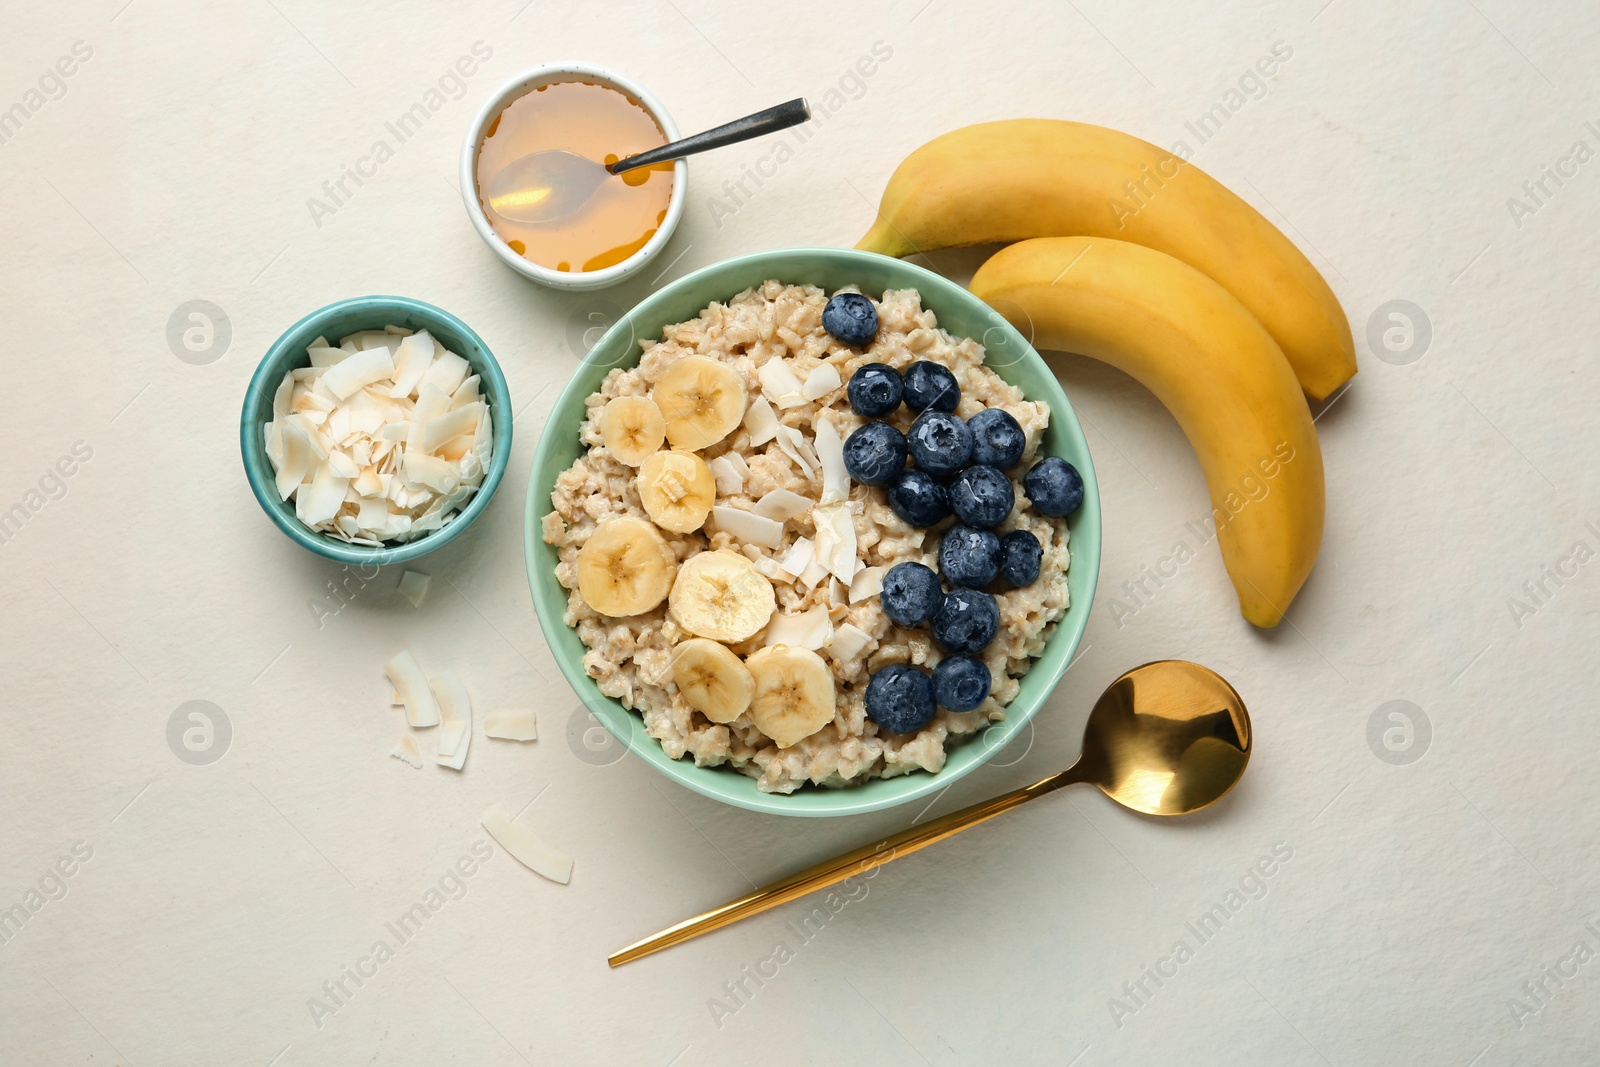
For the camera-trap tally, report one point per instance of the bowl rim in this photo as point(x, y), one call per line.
point(519, 85)
point(627, 726)
point(268, 375)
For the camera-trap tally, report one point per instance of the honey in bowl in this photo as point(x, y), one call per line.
point(598, 123)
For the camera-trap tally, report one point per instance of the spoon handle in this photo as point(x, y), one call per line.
point(773, 119)
point(838, 869)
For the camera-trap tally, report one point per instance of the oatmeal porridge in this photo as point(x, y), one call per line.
point(812, 539)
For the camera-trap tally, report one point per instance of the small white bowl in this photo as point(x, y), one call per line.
point(525, 83)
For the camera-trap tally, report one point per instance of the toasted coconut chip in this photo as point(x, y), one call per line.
point(814, 573)
point(781, 505)
point(849, 641)
point(793, 444)
point(830, 453)
point(413, 586)
point(728, 477)
point(836, 530)
point(810, 629)
point(455, 709)
point(747, 526)
point(407, 750)
point(280, 399)
point(779, 384)
point(323, 500)
point(760, 421)
point(511, 724)
point(798, 558)
point(358, 370)
point(821, 381)
point(868, 581)
point(412, 685)
point(466, 392)
point(323, 357)
point(452, 423)
point(445, 374)
point(533, 854)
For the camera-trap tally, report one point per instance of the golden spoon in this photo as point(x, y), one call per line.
point(1167, 738)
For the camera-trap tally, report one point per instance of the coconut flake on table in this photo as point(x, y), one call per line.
point(407, 749)
point(412, 685)
point(382, 438)
point(525, 848)
point(511, 724)
point(413, 584)
point(455, 709)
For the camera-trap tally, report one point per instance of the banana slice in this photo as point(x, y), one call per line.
point(712, 679)
point(632, 428)
point(702, 401)
point(625, 568)
point(794, 693)
point(677, 489)
point(722, 596)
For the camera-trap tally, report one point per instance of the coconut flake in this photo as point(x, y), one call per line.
point(830, 454)
point(412, 685)
point(411, 363)
point(748, 527)
point(779, 384)
point(793, 444)
point(810, 629)
point(821, 381)
point(356, 371)
point(760, 421)
point(452, 423)
point(413, 585)
point(533, 854)
point(840, 556)
point(406, 749)
point(511, 724)
point(781, 505)
point(323, 501)
point(868, 581)
point(798, 558)
point(849, 641)
point(729, 480)
point(445, 374)
point(455, 709)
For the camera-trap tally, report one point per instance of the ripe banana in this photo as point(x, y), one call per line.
point(624, 568)
point(701, 399)
point(1022, 178)
point(722, 596)
point(711, 679)
point(794, 695)
point(1210, 362)
point(676, 489)
point(631, 427)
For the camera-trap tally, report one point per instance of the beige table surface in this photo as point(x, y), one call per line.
point(1425, 908)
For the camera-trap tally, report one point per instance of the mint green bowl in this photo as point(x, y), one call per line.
point(964, 315)
point(340, 320)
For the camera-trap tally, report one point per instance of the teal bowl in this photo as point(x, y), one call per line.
point(336, 321)
point(964, 315)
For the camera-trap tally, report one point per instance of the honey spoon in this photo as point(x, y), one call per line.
point(1167, 738)
point(548, 186)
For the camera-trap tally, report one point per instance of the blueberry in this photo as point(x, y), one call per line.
point(1054, 487)
point(1019, 557)
point(960, 683)
point(931, 385)
point(967, 621)
point(900, 699)
point(910, 594)
point(981, 496)
point(850, 319)
point(875, 453)
point(969, 557)
point(874, 390)
point(997, 438)
point(918, 499)
point(940, 442)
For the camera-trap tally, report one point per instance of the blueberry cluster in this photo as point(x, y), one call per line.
point(960, 469)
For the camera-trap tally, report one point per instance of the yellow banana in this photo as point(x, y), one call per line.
point(1210, 362)
point(1021, 178)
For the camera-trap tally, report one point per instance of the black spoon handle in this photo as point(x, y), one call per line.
point(773, 119)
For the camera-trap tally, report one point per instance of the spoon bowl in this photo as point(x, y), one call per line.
point(1168, 738)
point(544, 186)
